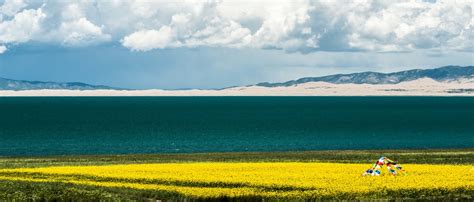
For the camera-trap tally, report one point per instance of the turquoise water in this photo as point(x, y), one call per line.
point(119, 125)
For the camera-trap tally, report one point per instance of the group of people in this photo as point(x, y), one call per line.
point(392, 167)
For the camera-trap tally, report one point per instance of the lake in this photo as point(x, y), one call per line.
point(129, 125)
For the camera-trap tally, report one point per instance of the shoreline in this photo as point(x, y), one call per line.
point(86, 94)
point(421, 156)
point(419, 87)
point(416, 150)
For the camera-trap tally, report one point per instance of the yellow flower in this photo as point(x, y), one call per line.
point(282, 180)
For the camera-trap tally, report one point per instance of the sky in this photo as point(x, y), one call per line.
point(173, 44)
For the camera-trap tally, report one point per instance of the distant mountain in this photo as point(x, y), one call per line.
point(447, 73)
point(9, 84)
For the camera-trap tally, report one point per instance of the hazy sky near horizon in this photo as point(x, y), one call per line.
point(212, 44)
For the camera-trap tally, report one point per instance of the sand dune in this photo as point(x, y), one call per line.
point(420, 87)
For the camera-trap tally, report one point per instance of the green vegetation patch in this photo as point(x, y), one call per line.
point(451, 156)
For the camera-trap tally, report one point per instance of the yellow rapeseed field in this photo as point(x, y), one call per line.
point(268, 180)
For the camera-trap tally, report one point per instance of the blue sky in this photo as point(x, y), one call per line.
point(214, 44)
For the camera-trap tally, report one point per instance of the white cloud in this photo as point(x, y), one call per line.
point(218, 34)
point(72, 12)
point(11, 7)
point(293, 26)
point(23, 27)
point(412, 25)
point(188, 25)
point(3, 49)
point(150, 39)
point(81, 32)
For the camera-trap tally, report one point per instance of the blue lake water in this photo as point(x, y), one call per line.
point(124, 125)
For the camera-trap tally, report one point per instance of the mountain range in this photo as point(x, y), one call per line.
point(10, 84)
point(442, 74)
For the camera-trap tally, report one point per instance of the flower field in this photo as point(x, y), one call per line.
point(290, 180)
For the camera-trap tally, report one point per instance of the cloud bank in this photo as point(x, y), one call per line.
point(293, 26)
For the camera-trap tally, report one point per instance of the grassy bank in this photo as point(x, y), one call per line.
point(450, 156)
point(243, 176)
